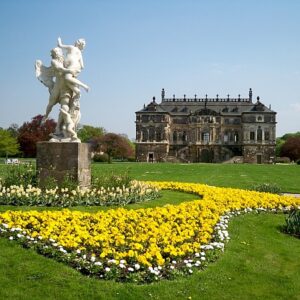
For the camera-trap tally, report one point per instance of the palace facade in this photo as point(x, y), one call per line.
point(206, 130)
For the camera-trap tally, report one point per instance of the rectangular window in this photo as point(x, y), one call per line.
point(205, 137)
point(252, 135)
point(267, 135)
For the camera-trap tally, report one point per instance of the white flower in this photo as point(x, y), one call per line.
point(122, 261)
point(84, 256)
point(98, 263)
point(190, 271)
point(137, 266)
point(198, 263)
point(93, 258)
point(78, 251)
point(107, 269)
point(122, 266)
point(112, 261)
point(172, 267)
point(203, 258)
point(11, 238)
point(130, 269)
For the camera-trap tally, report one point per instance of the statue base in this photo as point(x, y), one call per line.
point(63, 160)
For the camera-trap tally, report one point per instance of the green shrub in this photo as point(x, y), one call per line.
point(282, 160)
point(22, 174)
point(100, 158)
point(272, 188)
point(111, 180)
point(298, 162)
point(293, 222)
point(131, 159)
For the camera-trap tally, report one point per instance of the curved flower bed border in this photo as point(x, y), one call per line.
point(171, 244)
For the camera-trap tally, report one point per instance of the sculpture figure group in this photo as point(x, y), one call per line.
point(64, 87)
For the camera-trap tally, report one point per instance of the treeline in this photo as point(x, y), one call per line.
point(21, 141)
point(289, 146)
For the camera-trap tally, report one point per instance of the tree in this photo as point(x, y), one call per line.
point(291, 148)
point(86, 133)
point(32, 132)
point(13, 129)
point(288, 135)
point(114, 145)
point(8, 144)
point(279, 144)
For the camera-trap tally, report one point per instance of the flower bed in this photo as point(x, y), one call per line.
point(145, 244)
point(64, 197)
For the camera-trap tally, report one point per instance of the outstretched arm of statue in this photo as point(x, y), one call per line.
point(61, 45)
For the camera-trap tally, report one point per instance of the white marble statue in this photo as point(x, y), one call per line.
point(64, 87)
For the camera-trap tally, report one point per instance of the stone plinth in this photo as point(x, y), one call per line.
point(59, 160)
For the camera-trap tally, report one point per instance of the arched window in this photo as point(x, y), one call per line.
point(236, 137)
point(259, 134)
point(151, 134)
point(144, 135)
point(158, 134)
point(205, 137)
point(175, 136)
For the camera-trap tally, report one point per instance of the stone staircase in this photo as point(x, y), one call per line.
point(234, 160)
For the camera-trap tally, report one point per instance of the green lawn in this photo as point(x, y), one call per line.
point(260, 262)
point(224, 175)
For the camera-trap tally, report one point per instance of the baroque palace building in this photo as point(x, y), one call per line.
point(206, 130)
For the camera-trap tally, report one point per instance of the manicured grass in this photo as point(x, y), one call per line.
point(224, 175)
point(260, 262)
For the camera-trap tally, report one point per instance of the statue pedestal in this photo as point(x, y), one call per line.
point(59, 160)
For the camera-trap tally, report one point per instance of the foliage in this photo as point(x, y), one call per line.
point(289, 135)
point(272, 188)
point(22, 174)
point(293, 222)
point(32, 132)
point(291, 148)
point(86, 133)
point(114, 145)
point(282, 160)
point(279, 144)
point(13, 129)
point(8, 143)
point(100, 157)
point(112, 180)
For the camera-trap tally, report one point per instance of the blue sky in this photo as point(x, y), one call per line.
point(136, 48)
